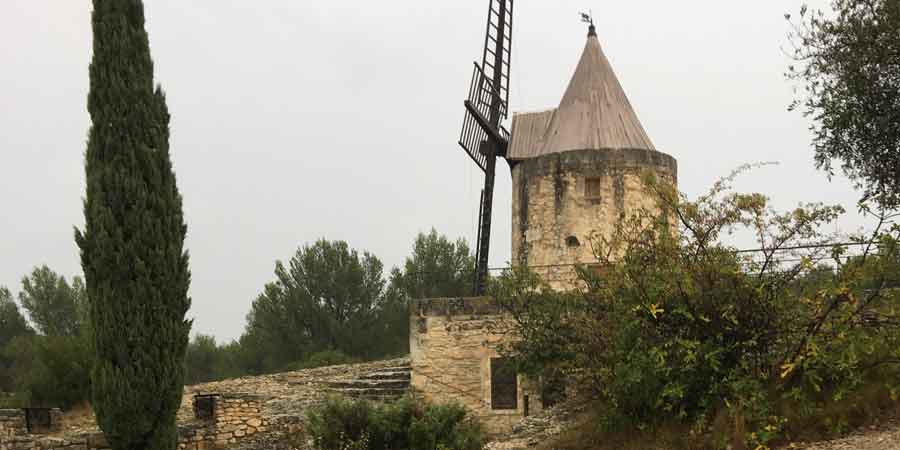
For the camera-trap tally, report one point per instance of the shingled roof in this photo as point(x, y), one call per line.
point(594, 114)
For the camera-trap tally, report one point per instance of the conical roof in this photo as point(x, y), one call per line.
point(594, 114)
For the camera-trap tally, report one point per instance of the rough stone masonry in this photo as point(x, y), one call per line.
point(250, 413)
point(576, 170)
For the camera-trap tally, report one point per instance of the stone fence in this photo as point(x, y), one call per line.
point(212, 421)
point(219, 421)
point(22, 422)
point(12, 423)
point(265, 412)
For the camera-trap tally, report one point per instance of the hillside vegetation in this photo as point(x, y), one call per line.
point(676, 330)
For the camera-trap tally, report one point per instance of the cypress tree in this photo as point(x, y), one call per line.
point(132, 247)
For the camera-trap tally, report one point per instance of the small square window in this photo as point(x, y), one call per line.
point(205, 407)
point(593, 188)
point(38, 420)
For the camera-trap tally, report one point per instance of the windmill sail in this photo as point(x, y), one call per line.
point(487, 104)
point(482, 137)
point(478, 130)
point(498, 46)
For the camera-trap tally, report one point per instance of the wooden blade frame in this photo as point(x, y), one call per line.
point(482, 136)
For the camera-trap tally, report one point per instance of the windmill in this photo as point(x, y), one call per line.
point(482, 136)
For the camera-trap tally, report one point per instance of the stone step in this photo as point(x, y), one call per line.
point(370, 384)
point(385, 384)
point(388, 375)
point(395, 369)
point(372, 393)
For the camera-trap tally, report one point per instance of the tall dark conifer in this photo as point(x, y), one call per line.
point(132, 247)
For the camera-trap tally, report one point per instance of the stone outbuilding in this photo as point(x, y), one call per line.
point(576, 169)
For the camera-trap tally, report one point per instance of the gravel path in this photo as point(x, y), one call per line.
point(878, 439)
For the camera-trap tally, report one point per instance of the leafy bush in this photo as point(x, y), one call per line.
point(676, 325)
point(341, 424)
point(52, 368)
point(12, 401)
point(444, 427)
point(51, 371)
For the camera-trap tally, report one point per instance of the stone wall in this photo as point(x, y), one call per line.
point(12, 423)
point(452, 342)
point(14, 430)
point(235, 418)
point(264, 412)
point(555, 212)
point(37, 442)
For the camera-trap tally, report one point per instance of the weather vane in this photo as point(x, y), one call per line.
point(588, 17)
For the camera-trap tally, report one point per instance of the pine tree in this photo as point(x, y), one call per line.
point(132, 247)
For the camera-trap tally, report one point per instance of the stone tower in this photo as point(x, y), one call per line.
point(576, 169)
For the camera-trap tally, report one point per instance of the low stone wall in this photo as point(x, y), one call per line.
point(37, 442)
point(235, 417)
point(453, 347)
point(12, 423)
point(265, 412)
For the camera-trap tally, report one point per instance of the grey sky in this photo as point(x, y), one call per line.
point(295, 120)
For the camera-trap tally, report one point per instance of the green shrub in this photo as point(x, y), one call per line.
point(50, 371)
point(677, 326)
point(338, 422)
point(444, 427)
point(390, 424)
point(341, 424)
point(13, 401)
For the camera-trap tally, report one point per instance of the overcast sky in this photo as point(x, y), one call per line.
point(295, 120)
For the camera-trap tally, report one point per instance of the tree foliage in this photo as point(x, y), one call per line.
point(848, 63)
point(330, 304)
point(675, 324)
point(53, 305)
point(52, 369)
point(132, 246)
point(436, 268)
point(12, 322)
point(203, 360)
point(326, 297)
point(57, 374)
point(13, 326)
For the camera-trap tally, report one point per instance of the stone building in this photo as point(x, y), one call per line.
point(575, 170)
